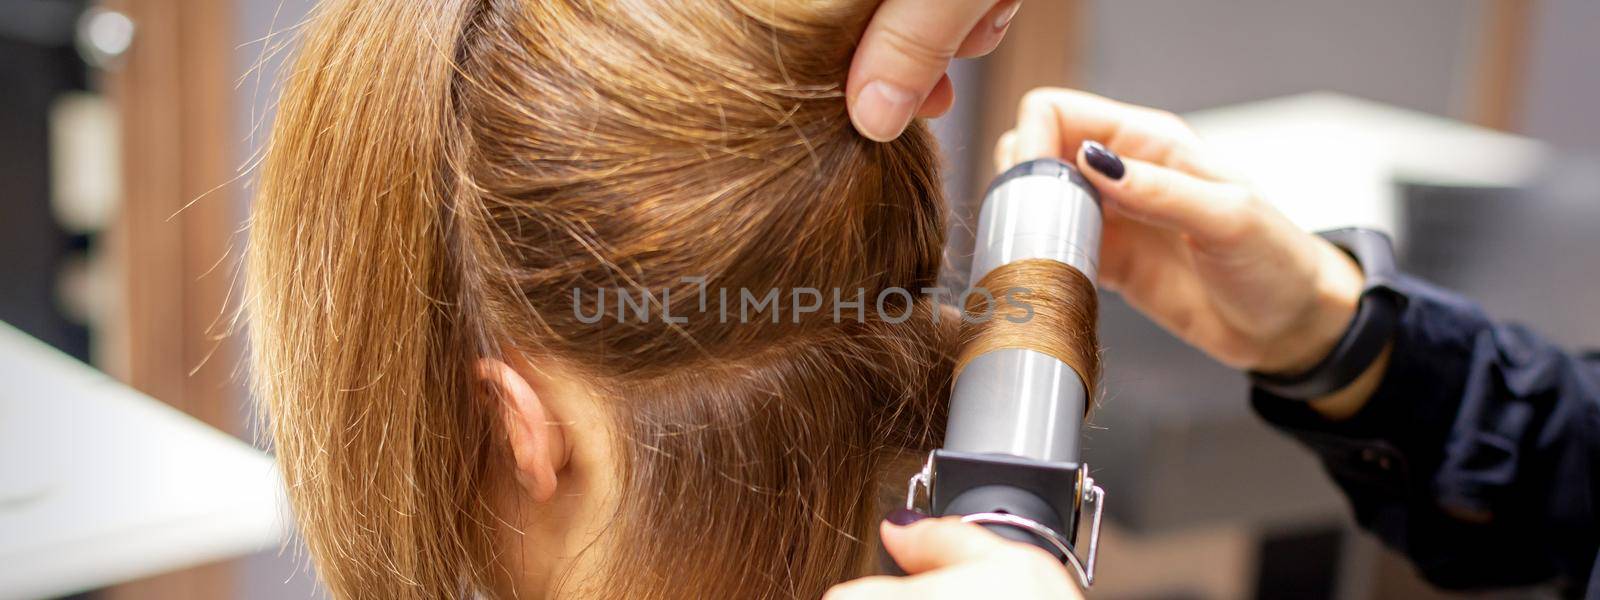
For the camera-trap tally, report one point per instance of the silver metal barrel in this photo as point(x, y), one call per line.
point(1017, 401)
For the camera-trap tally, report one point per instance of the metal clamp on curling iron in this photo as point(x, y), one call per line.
point(1010, 460)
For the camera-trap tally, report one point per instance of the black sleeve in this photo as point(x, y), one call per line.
point(1477, 456)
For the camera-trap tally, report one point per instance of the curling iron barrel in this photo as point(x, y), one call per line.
point(1018, 401)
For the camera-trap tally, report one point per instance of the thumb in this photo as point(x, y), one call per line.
point(1210, 212)
point(903, 53)
point(937, 543)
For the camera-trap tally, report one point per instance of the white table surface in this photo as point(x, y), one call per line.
point(100, 484)
point(1329, 160)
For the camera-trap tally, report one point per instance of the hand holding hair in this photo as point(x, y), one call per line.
point(899, 67)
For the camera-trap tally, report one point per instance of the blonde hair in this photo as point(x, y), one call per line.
point(443, 175)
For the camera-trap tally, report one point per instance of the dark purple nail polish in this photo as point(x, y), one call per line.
point(1103, 160)
point(901, 517)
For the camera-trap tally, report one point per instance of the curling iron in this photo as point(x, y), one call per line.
point(1010, 460)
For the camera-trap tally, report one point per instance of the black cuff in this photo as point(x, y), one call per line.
point(1413, 407)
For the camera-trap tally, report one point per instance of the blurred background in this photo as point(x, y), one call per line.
point(131, 465)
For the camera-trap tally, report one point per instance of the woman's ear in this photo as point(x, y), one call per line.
point(537, 440)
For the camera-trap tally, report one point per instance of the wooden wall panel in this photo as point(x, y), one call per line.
point(1044, 47)
point(171, 238)
point(1500, 82)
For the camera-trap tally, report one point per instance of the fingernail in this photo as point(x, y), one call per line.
point(1103, 160)
point(883, 111)
point(901, 517)
point(1004, 18)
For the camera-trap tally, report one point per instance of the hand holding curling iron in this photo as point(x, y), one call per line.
point(945, 558)
point(1187, 242)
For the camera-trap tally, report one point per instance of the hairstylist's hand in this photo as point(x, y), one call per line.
point(1189, 244)
point(898, 70)
point(946, 559)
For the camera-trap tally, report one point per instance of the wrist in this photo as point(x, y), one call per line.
point(1336, 294)
point(1362, 335)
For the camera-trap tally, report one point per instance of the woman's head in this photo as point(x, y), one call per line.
point(464, 207)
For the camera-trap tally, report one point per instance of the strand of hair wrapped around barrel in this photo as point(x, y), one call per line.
point(1052, 308)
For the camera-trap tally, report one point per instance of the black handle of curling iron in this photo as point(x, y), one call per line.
point(986, 503)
